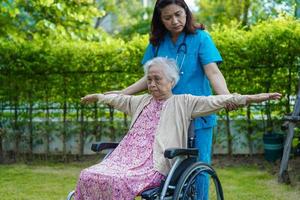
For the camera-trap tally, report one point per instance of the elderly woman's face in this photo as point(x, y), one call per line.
point(158, 84)
point(174, 18)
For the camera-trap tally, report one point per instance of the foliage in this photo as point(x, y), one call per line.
point(58, 19)
point(262, 59)
point(80, 19)
point(270, 47)
point(129, 17)
point(72, 20)
point(245, 12)
point(77, 64)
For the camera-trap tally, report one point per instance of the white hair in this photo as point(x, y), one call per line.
point(168, 66)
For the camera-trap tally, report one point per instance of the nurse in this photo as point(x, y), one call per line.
point(175, 35)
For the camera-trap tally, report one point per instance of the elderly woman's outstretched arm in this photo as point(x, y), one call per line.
point(124, 103)
point(202, 105)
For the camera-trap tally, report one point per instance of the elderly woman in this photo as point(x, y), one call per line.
point(160, 120)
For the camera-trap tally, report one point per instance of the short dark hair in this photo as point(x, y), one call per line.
point(158, 30)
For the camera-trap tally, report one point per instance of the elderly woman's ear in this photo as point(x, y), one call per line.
point(173, 83)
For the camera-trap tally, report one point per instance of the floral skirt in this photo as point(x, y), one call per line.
point(129, 169)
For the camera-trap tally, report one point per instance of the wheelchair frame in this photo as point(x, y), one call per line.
point(179, 183)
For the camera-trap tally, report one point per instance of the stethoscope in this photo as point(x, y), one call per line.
point(182, 48)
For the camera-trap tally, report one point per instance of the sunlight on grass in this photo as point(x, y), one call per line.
point(54, 181)
point(245, 183)
point(23, 182)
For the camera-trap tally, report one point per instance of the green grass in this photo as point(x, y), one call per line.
point(21, 182)
point(249, 183)
point(54, 181)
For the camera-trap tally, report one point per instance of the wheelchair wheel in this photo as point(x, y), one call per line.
point(186, 188)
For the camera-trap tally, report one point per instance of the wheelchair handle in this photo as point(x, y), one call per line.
point(97, 147)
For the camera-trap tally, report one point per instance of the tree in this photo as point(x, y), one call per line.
point(74, 19)
point(129, 17)
point(246, 12)
point(297, 9)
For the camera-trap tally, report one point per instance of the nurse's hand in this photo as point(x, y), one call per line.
point(231, 106)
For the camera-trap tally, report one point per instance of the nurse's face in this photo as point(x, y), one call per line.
point(158, 84)
point(174, 18)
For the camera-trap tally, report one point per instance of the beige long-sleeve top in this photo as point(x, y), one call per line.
point(175, 117)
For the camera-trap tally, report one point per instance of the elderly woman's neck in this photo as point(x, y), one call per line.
point(162, 97)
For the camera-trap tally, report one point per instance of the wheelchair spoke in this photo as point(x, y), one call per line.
point(189, 190)
point(186, 187)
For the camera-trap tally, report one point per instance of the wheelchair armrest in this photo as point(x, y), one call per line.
point(103, 145)
point(173, 152)
point(150, 193)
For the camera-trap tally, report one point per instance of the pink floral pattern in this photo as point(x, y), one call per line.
point(129, 168)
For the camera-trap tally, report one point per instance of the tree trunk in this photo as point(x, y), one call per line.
point(246, 12)
point(64, 132)
point(81, 134)
point(249, 131)
point(289, 89)
point(47, 129)
point(297, 9)
point(269, 118)
point(1, 134)
point(215, 140)
point(100, 130)
point(229, 136)
point(16, 129)
point(125, 121)
point(1, 147)
point(30, 128)
point(99, 20)
point(268, 106)
point(96, 123)
point(111, 124)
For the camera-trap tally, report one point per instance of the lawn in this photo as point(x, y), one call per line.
point(49, 181)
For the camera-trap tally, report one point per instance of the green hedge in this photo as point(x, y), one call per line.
point(256, 59)
point(263, 54)
point(70, 67)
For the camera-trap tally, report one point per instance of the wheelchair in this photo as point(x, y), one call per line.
point(179, 184)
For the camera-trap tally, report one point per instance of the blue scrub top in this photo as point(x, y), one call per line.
point(200, 51)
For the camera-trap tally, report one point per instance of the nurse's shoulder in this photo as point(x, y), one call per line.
point(202, 35)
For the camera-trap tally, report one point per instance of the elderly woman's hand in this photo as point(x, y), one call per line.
point(89, 98)
point(257, 98)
